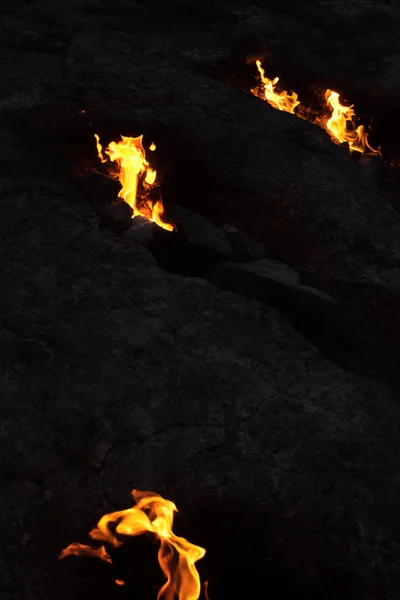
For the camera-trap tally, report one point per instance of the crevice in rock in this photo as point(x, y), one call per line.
point(139, 440)
point(342, 332)
point(273, 229)
point(322, 309)
point(380, 115)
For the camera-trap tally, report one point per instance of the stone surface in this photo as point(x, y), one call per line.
point(261, 272)
point(373, 167)
point(116, 215)
point(142, 231)
point(243, 247)
point(124, 376)
point(317, 293)
point(100, 189)
point(304, 35)
point(249, 49)
point(116, 374)
point(199, 232)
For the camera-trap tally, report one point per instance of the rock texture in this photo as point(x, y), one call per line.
point(116, 374)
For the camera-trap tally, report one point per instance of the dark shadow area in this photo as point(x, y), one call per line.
point(175, 254)
point(247, 554)
point(136, 563)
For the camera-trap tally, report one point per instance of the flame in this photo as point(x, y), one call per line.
point(205, 590)
point(134, 169)
point(286, 101)
point(99, 149)
point(340, 125)
point(152, 146)
point(153, 514)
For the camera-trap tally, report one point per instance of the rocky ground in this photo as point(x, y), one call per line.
point(271, 419)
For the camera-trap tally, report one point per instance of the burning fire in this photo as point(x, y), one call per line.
point(339, 122)
point(286, 101)
point(134, 170)
point(176, 556)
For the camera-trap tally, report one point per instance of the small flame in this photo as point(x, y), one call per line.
point(99, 149)
point(340, 125)
point(134, 169)
point(81, 549)
point(286, 101)
point(152, 146)
point(153, 514)
point(205, 590)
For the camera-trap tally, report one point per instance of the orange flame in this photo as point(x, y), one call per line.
point(99, 149)
point(153, 514)
point(286, 101)
point(340, 123)
point(341, 127)
point(133, 170)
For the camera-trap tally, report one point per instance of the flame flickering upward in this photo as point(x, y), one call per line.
point(134, 169)
point(286, 101)
point(153, 514)
point(341, 127)
point(339, 124)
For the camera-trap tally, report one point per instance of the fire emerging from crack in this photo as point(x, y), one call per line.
point(339, 124)
point(176, 556)
point(136, 177)
point(286, 101)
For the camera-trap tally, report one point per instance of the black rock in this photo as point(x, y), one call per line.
point(116, 215)
point(102, 192)
point(100, 188)
point(243, 247)
point(248, 49)
point(260, 274)
point(255, 279)
point(153, 380)
point(142, 231)
point(200, 233)
point(373, 166)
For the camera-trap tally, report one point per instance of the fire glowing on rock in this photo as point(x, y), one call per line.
point(340, 125)
point(286, 101)
point(153, 514)
point(135, 171)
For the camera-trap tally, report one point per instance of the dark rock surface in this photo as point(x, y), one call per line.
point(116, 374)
point(115, 215)
point(200, 233)
point(100, 189)
point(258, 275)
point(243, 247)
point(142, 231)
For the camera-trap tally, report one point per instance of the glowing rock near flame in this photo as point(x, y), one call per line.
point(134, 169)
point(153, 514)
point(285, 101)
point(338, 125)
